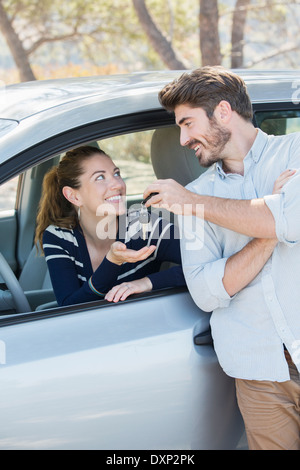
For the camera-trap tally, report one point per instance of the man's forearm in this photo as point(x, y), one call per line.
point(242, 267)
point(248, 217)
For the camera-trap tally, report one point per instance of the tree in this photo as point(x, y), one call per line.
point(16, 47)
point(143, 34)
point(158, 40)
point(209, 32)
point(27, 25)
point(238, 32)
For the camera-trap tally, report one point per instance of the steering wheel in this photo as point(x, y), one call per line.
point(19, 298)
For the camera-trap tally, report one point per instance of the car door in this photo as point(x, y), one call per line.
point(140, 374)
point(125, 376)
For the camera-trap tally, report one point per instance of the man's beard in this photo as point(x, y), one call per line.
point(216, 141)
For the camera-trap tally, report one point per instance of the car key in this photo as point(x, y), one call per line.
point(144, 218)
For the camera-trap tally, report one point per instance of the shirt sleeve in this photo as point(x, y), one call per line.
point(285, 207)
point(203, 263)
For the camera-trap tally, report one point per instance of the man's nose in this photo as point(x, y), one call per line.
point(184, 138)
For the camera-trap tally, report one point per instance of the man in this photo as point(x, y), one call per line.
point(246, 264)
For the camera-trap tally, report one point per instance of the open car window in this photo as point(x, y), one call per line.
point(278, 122)
point(131, 153)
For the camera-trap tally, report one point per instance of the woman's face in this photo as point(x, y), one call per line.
point(102, 189)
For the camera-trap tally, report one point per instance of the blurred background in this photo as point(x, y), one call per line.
point(42, 39)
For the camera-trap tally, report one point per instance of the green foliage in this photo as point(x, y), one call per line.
point(108, 32)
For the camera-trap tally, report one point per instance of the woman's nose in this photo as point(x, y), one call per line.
point(116, 183)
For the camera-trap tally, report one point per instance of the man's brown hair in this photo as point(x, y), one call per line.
point(205, 88)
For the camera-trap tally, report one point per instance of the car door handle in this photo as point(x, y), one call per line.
point(204, 338)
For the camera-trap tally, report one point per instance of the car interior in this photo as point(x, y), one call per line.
point(156, 153)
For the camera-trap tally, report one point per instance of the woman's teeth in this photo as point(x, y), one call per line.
point(114, 198)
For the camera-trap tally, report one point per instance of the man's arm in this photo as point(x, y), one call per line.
point(242, 267)
point(248, 217)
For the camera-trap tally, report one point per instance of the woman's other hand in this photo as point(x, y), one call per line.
point(122, 291)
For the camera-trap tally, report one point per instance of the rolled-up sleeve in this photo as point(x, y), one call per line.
point(203, 264)
point(285, 208)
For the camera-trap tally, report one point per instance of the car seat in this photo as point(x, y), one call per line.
point(172, 160)
point(35, 281)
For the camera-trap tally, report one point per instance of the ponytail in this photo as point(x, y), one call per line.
point(54, 208)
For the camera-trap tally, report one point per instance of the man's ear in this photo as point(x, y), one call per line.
point(71, 195)
point(223, 112)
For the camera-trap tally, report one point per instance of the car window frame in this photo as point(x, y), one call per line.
point(58, 144)
point(110, 127)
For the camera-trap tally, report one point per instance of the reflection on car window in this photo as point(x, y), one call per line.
point(279, 122)
point(131, 153)
point(8, 194)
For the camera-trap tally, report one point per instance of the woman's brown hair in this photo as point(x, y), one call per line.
point(54, 208)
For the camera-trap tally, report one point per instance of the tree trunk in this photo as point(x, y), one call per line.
point(16, 48)
point(209, 32)
point(237, 33)
point(158, 41)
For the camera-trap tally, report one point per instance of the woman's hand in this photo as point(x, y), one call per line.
point(122, 291)
point(282, 180)
point(119, 253)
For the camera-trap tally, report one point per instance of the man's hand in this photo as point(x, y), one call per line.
point(119, 253)
point(171, 196)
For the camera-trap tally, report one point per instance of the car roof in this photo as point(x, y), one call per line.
point(35, 111)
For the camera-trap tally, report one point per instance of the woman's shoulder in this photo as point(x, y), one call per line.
point(68, 235)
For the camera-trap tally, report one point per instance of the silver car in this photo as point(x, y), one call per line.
point(139, 374)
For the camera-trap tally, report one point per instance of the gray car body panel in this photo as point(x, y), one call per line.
point(46, 108)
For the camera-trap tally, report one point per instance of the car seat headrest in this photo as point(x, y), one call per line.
point(170, 159)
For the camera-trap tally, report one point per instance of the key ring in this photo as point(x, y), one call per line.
point(147, 198)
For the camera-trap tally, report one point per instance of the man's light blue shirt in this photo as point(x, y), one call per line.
point(250, 328)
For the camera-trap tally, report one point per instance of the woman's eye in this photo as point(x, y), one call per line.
point(100, 177)
point(117, 173)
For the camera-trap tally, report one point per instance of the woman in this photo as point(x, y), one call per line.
point(92, 248)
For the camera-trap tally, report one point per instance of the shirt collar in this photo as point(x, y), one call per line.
point(255, 151)
point(258, 146)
